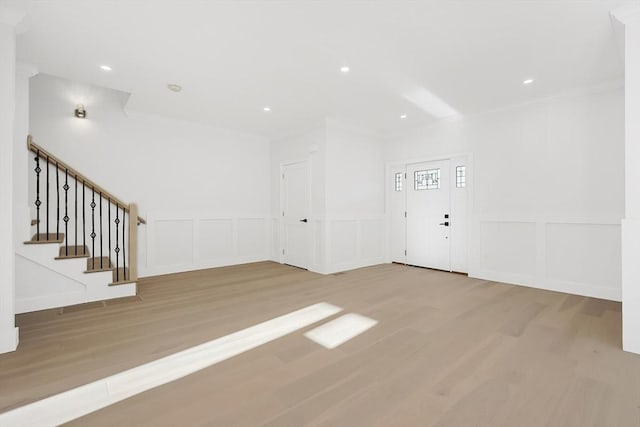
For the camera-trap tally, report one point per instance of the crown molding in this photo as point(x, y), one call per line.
point(11, 17)
point(627, 14)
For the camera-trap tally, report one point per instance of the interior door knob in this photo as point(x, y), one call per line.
point(446, 223)
point(304, 220)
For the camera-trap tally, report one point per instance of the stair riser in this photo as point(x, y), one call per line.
point(42, 288)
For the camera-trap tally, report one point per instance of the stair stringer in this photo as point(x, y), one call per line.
point(42, 282)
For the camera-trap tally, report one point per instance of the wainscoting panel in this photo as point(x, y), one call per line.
point(372, 237)
point(343, 248)
point(318, 252)
point(578, 255)
point(343, 243)
point(355, 242)
point(275, 239)
point(584, 253)
point(509, 247)
point(216, 239)
point(252, 238)
point(192, 241)
point(174, 242)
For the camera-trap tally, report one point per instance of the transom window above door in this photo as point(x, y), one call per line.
point(427, 179)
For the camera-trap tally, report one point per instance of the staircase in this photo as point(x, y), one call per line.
point(83, 246)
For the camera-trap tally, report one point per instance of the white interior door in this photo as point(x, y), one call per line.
point(296, 207)
point(428, 215)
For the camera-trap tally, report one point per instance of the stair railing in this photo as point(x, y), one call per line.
point(124, 239)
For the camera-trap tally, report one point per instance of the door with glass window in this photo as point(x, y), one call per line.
point(428, 215)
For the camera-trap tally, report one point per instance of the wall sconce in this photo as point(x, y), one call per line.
point(80, 112)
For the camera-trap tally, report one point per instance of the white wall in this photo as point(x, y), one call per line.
point(21, 156)
point(8, 331)
point(347, 195)
point(204, 190)
point(310, 146)
point(355, 220)
point(548, 188)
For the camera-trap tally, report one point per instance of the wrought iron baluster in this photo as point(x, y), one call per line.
point(124, 244)
point(117, 249)
point(38, 202)
point(66, 212)
point(93, 228)
point(75, 217)
point(109, 229)
point(57, 201)
point(47, 197)
point(100, 230)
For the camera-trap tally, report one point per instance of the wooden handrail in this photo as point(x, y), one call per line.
point(81, 177)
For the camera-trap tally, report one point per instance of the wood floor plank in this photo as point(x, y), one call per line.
point(447, 350)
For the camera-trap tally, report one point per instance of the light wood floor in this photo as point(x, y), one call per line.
point(447, 351)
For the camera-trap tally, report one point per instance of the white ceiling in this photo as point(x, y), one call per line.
point(422, 59)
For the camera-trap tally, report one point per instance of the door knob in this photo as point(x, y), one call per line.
point(446, 223)
point(304, 220)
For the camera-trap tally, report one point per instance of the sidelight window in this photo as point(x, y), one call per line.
point(398, 182)
point(461, 176)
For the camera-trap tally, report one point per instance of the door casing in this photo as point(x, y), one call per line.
point(285, 254)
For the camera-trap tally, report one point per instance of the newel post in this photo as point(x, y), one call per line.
point(133, 242)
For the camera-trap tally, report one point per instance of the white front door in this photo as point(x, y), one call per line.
point(296, 207)
point(428, 215)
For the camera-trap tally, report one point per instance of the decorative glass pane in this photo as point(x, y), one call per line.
point(398, 182)
point(461, 176)
point(427, 179)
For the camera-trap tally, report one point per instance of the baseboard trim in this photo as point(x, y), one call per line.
point(568, 287)
point(9, 340)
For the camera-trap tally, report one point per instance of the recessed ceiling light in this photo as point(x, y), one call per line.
point(528, 81)
point(267, 109)
point(344, 69)
point(105, 68)
point(174, 87)
point(403, 116)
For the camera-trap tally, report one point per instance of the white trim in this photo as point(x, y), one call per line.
point(9, 341)
point(627, 14)
point(26, 70)
point(311, 265)
point(565, 286)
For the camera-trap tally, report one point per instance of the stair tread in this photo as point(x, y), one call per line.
point(71, 256)
point(99, 270)
point(122, 282)
point(45, 238)
point(122, 276)
point(72, 251)
point(93, 265)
